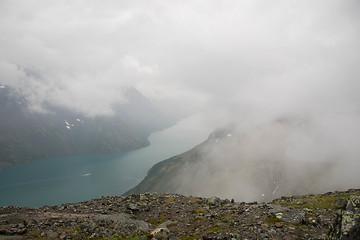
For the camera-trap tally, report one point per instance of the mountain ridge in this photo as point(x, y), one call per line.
point(27, 136)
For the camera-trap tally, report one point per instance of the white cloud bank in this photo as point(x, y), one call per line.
point(256, 58)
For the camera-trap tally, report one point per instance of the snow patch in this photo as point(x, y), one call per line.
point(217, 139)
point(277, 186)
point(2, 86)
point(68, 127)
point(79, 120)
point(67, 123)
point(229, 135)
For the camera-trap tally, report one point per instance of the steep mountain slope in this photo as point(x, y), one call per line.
point(27, 136)
point(253, 165)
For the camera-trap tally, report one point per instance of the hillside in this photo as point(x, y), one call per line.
point(252, 165)
point(170, 216)
point(26, 136)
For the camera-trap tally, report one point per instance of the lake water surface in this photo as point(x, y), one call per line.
point(83, 177)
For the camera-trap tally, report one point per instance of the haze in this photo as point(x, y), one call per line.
point(248, 62)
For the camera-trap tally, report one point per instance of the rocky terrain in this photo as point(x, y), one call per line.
point(333, 215)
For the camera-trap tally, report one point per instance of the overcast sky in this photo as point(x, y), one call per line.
point(263, 59)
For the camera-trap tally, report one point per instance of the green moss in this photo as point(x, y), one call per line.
point(200, 210)
point(273, 220)
point(194, 199)
point(163, 215)
point(133, 237)
point(154, 221)
point(201, 219)
point(189, 237)
point(169, 202)
point(325, 201)
point(221, 227)
point(227, 216)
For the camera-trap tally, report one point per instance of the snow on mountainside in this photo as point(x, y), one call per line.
point(27, 135)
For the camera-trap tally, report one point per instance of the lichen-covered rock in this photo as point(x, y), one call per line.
point(347, 225)
point(134, 207)
point(214, 201)
point(160, 233)
point(340, 203)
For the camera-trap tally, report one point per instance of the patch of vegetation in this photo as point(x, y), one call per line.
point(163, 215)
point(154, 221)
point(221, 226)
point(194, 199)
point(200, 210)
point(227, 216)
point(133, 237)
point(189, 237)
point(168, 202)
point(201, 219)
point(325, 201)
point(273, 219)
point(35, 234)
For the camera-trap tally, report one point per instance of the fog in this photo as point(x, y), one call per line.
point(243, 62)
point(284, 157)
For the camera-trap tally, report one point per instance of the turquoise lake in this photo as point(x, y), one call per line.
point(83, 177)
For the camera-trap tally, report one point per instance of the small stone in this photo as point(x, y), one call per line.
point(264, 235)
point(160, 233)
point(3, 230)
point(133, 207)
point(213, 201)
point(279, 225)
point(51, 234)
point(63, 235)
point(21, 231)
point(271, 231)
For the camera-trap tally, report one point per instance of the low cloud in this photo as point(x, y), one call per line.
point(283, 57)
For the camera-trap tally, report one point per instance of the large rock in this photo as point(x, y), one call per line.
point(347, 224)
